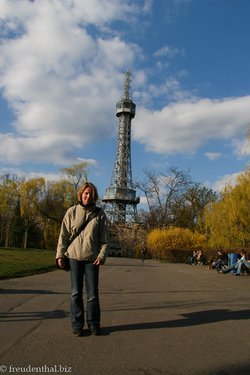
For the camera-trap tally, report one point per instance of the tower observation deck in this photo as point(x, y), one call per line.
point(120, 198)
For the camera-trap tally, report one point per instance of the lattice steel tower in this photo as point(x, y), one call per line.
point(120, 198)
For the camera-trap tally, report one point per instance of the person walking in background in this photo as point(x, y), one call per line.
point(87, 251)
point(143, 251)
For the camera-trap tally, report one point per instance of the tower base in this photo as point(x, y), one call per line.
point(120, 212)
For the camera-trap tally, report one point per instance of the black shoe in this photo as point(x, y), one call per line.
point(95, 330)
point(78, 333)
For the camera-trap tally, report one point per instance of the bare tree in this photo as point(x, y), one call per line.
point(77, 175)
point(162, 193)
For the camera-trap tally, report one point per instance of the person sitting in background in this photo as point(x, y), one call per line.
point(220, 261)
point(201, 259)
point(192, 258)
point(210, 261)
point(235, 265)
point(241, 264)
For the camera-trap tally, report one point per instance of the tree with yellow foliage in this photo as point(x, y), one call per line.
point(30, 192)
point(228, 220)
point(166, 243)
point(8, 202)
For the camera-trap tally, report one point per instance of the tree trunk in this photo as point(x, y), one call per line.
point(25, 239)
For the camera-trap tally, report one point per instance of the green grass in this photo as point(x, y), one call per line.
point(19, 262)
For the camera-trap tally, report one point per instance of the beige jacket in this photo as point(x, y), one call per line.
point(93, 240)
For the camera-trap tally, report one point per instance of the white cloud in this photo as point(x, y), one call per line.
point(143, 202)
point(56, 76)
point(168, 51)
point(222, 182)
point(241, 147)
point(62, 83)
point(148, 6)
point(139, 79)
point(98, 12)
point(213, 155)
point(186, 126)
point(29, 174)
point(171, 88)
point(115, 53)
point(91, 162)
point(49, 176)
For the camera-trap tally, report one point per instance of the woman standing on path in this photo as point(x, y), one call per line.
point(87, 251)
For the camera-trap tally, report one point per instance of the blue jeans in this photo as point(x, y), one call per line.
point(80, 271)
point(231, 268)
point(240, 264)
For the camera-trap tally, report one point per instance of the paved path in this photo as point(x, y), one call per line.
point(157, 318)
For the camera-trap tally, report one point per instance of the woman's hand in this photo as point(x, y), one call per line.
point(97, 262)
point(60, 262)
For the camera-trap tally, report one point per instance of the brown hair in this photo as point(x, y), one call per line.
point(84, 187)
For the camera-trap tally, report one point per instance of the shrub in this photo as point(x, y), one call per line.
point(173, 243)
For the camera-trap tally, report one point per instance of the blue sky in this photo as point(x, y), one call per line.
point(62, 67)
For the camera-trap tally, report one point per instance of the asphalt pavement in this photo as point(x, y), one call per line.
point(157, 318)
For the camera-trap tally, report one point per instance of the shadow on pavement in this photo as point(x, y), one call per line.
point(133, 265)
point(28, 291)
point(243, 369)
point(30, 316)
point(191, 319)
